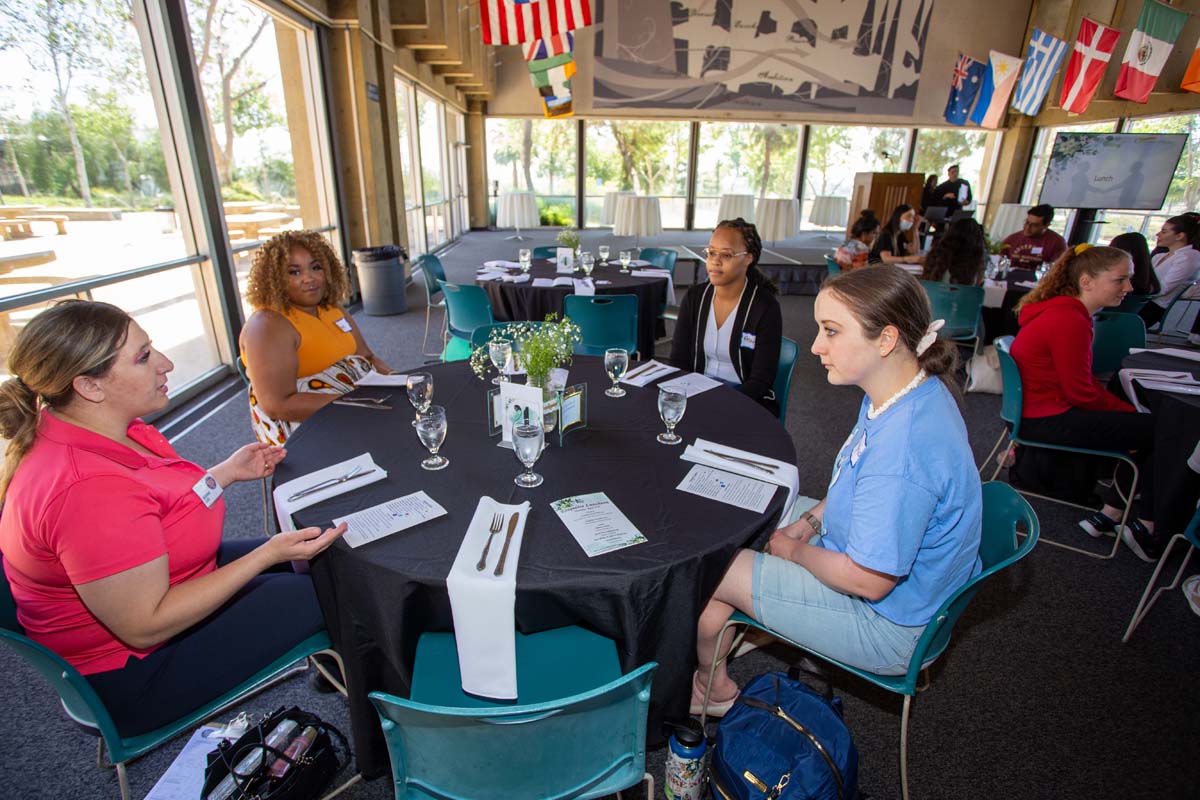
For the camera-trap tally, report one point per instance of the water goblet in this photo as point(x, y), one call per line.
point(671, 405)
point(588, 261)
point(431, 430)
point(528, 441)
point(1041, 271)
point(626, 256)
point(584, 256)
point(499, 351)
point(525, 256)
point(616, 359)
point(420, 392)
point(604, 251)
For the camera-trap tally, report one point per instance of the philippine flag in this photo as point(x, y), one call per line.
point(998, 84)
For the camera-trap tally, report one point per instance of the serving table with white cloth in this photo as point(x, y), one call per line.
point(829, 211)
point(608, 214)
point(517, 210)
point(778, 218)
point(733, 206)
point(637, 216)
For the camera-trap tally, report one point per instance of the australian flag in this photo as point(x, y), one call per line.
point(968, 76)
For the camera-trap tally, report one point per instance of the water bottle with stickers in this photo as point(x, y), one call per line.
point(685, 775)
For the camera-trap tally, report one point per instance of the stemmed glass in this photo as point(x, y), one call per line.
point(604, 251)
point(626, 256)
point(528, 441)
point(431, 430)
point(525, 256)
point(499, 351)
point(1041, 271)
point(588, 261)
point(671, 406)
point(420, 392)
point(616, 359)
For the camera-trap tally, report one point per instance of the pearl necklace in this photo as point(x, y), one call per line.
point(873, 412)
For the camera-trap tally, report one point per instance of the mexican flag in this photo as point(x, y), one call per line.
point(1158, 27)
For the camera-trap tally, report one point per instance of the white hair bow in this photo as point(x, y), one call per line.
point(930, 335)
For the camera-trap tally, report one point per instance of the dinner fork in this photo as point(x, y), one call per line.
point(376, 400)
point(493, 529)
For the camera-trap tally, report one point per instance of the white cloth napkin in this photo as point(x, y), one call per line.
point(1190, 355)
point(993, 293)
point(502, 263)
point(647, 373)
point(542, 283)
point(515, 278)
point(369, 472)
point(658, 273)
point(785, 474)
point(483, 603)
point(1162, 380)
point(374, 378)
point(584, 287)
point(489, 276)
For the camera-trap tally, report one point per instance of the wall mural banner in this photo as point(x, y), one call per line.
point(853, 56)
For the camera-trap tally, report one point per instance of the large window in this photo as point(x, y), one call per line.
point(528, 155)
point(939, 148)
point(743, 158)
point(836, 153)
point(414, 213)
point(432, 141)
point(649, 158)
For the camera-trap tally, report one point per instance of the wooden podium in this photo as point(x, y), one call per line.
point(882, 192)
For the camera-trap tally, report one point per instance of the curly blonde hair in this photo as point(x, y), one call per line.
point(267, 286)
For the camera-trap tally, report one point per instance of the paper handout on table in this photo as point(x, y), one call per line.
point(690, 383)
point(646, 372)
point(771, 470)
point(1176, 352)
point(390, 517)
point(596, 523)
point(482, 602)
point(368, 472)
point(726, 487)
point(994, 292)
point(542, 283)
point(1158, 379)
point(374, 378)
point(658, 273)
point(584, 287)
point(502, 263)
point(515, 278)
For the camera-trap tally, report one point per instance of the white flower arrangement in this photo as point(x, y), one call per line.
point(540, 346)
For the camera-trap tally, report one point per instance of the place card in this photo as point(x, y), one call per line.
point(564, 257)
point(388, 518)
point(690, 383)
point(596, 523)
point(519, 404)
point(725, 487)
point(572, 410)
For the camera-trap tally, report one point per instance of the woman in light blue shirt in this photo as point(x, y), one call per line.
point(857, 576)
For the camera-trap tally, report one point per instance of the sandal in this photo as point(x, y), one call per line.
point(716, 708)
point(1191, 590)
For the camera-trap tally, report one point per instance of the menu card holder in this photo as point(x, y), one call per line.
point(572, 410)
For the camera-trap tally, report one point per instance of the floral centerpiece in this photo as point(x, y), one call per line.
point(540, 346)
point(569, 237)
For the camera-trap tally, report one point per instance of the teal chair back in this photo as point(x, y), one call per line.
point(1133, 303)
point(1114, 332)
point(960, 306)
point(788, 350)
point(832, 266)
point(548, 251)
point(607, 320)
point(587, 745)
point(483, 334)
point(661, 258)
point(432, 271)
point(467, 308)
point(1012, 396)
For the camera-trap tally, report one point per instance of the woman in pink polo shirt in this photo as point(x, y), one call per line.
point(112, 542)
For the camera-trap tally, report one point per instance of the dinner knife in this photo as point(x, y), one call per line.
point(512, 526)
point(355, 473)
point(641, 369)
point(354, 404)
point(759, 465)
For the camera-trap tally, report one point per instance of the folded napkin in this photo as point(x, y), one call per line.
point(646, 372)
point(482, 602)
point(993, 293)
point(584, 287)
point(501, 263)
point(1162, 380)
point(374, 378)
point(515, 278)
point(1176, 352)
point(784, 474)
point(658, 273)
point(542, 283)
point(369, 472)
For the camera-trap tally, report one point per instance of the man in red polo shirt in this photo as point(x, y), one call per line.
point(1035, 244)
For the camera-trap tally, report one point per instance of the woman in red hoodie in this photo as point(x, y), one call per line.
point(1063, 403)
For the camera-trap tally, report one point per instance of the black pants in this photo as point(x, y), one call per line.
point(1121, 431)
point(268, 616)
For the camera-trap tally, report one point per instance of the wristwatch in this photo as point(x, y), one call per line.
point(813, 521)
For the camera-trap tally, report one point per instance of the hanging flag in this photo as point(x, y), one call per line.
point(1158, 27)
point(1093, 48)
point(1042, 57)
point(510, 22)
point(554, 45)
point(1191, 78)
point(964, 86)
point(998, 83)
point(552, 78)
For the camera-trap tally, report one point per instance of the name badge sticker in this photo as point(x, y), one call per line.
point(748, 340)
point(208, 490)
point(1037, 251)
point(343, 325)
point(857, 452)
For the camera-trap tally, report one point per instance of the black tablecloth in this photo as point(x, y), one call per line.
point(521, 301)
point(1176, 432)
point(1002, 321)
point(379, 598)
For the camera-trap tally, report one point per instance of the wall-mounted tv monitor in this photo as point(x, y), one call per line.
point(1111, 170)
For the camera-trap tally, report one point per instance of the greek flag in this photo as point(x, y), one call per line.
point(1042, 59)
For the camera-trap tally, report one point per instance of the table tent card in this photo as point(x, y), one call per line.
point(572, 410)
point(596, 523)
point(387, 518)
point(518, 404)
point(564, 257)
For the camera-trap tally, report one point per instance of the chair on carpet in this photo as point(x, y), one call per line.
point(960, 307)
point(831, 265)
point(1114, 332)
point(1003, 511)
point(467, 307)
point(1191, 539)
point(430, 267)
point(579, 730)
point(607, 320)
point(788, 350)
point(546, 251)
point(1011, 403)
point(85, 707)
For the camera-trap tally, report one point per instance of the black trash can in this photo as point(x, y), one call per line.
point(381, 278)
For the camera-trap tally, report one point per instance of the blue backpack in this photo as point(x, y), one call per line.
point(783, 740)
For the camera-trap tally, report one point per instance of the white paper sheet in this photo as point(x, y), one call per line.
point(584, 287)
point(502, 263)
point(489, 276)
point(542, 283)
point(993, 293)
point(373, 378)
point(1174, 352)
point(691, 383)
point(387, 518)
point(596, 523)
point(654, 369)
point(1163, 380)
point(369, 472)
point(184, 779)
point(783, 474)
point(726, 487)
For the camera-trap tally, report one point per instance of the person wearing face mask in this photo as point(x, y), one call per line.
point(897, 241)
point(730, 328)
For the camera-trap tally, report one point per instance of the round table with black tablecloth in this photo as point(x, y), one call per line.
point(379, 598)
point(524, 301)
point(1002, 321)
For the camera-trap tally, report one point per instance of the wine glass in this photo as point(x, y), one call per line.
point(671, 405)
point(626, 256)
point(528, 441)
point(1041, 271)
point(604, 251)
point(525, 256)
point(588, 262)
point(499, 351)
point(420, 392)
point(616, 359)
point(431, 430)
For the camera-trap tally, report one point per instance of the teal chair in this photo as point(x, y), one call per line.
point(960, 307)
point(85, 707)
point(579, 730)
point(1178, 298)
point(548, 251)
point(788, 350)
point(1133, 303)
point(831, 266)
point(1114, 332)
point(430, 267)
point(1011, 403)
point(607, 320)
point(1003, 511)
point(660, 257)
point(1191, 539)
point(467, 307)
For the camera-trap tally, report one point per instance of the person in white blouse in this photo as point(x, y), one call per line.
point(1175, 268)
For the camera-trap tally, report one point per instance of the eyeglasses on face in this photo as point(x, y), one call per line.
point(721, 256)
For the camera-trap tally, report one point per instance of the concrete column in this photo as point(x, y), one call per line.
point(477, 177)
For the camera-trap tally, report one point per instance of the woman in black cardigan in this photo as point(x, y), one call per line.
point(731, 328)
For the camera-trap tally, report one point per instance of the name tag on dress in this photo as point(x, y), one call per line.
point(748, 340)
point(343, 324)
point(207, 489)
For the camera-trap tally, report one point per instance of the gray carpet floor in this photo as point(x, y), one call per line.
point(1036, 696)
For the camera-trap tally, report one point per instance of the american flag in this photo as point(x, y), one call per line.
point(509, 22)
